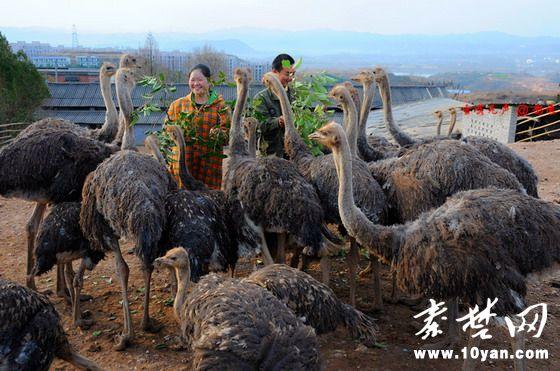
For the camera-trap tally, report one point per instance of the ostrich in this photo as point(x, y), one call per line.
point(107, 132)
point(439, 117)
point(497, 152)
point(60, 241)
point(125, 197)
point(321, 172)
point(49, 160)
point(275, 197)
point(372, 147)
point(212, 226)
point(313, 301)
point(47, 166)
point(238, 325)
point(250, 133)
point(32, 333)
point(479, 244)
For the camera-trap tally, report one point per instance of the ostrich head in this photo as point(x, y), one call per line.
point(175, 132)
point(438, 114)
point(129, 61)
point(127, 78)
point(249, 126)
point(107, 69)
point(242, 75)
point(272, 82)
point(453, 111)
point(338, 92)
point(330, 135)
point(380, 76)
point(176, 258)
point(365, 77)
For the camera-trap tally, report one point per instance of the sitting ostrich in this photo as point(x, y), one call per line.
point(313, 301)
point(274, 196)
point(125, 197)
point(321, 172)
point(238, 325)
point(212, 226)
point(479, 244)
point(61, 241)
point(497, 152)
point(32, 333)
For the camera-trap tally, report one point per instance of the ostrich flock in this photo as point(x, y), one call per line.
point(456, 220)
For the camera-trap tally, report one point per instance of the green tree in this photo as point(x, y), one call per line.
point(22, 88)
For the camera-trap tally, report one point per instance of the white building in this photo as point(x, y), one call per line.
point(50, 61)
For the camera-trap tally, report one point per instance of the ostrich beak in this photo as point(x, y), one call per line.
point(314, 136)
point(162, 262)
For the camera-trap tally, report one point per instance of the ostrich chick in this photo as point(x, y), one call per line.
point(238, 326)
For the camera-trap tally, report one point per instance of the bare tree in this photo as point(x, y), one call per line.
point(209, 56)
point(150, 52)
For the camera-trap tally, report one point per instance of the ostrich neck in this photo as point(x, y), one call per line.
point(400, 136)
point(452, 124)
point(295, 146)
point(183, 282)
point(438, 126)
point(189, 182)
point(380, 239)
point(366, 106)
point(153, 148)
point(125, 103)
point(236, 141)
point(252, 142)
point(351, 123)
point(110, 126)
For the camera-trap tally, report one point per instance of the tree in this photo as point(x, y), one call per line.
point(150, 52)
point(22, 88)
point(209, 56)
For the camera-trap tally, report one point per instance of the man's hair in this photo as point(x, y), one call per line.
point(277, 62)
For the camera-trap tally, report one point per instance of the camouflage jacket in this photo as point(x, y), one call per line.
point(271, 135)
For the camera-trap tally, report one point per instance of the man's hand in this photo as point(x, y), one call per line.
point(281, 121)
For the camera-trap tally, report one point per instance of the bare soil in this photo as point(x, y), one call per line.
point(156, 351)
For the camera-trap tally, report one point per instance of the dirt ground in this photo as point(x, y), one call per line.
point(396, 333)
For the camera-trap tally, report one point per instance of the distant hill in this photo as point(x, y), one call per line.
point(417, 54)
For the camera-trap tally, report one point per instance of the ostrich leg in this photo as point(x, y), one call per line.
point(281, 251)
point(470, 364)
point(61, 281)
point(122, 272)
point(266, 253)
point(352, 260)
point(147, 323)
point(32, 228)
point(325, 263)
point(453, 334)
point(77, 285)
point(377, 295)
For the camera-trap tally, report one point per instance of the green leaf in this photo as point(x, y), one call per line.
point(161, 346)
point(286, 63)
point(298, 63)
point(96, 333)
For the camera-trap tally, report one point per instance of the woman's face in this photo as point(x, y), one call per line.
point(199, 83)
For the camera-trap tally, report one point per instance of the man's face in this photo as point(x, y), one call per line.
point(286, 75)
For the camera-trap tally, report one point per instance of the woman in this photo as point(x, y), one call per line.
point(208, 114)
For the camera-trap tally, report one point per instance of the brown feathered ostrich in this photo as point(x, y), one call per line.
point(479, 244)
point(205, 222)
point(237, 325)
point(125, 197)
point(60, 241)
point(497, 152)
point(32, 333)
point(321, 172)
point(313, 301)
point(372, 147)
point(274, 196)
point(439, 117)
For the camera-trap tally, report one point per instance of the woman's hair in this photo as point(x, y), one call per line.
point(204, 69)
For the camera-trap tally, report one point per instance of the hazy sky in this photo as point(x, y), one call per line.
point(376, 16)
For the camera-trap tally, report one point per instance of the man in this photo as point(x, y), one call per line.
point(271, 125)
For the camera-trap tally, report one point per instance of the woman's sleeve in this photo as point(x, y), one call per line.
point(171, 112)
